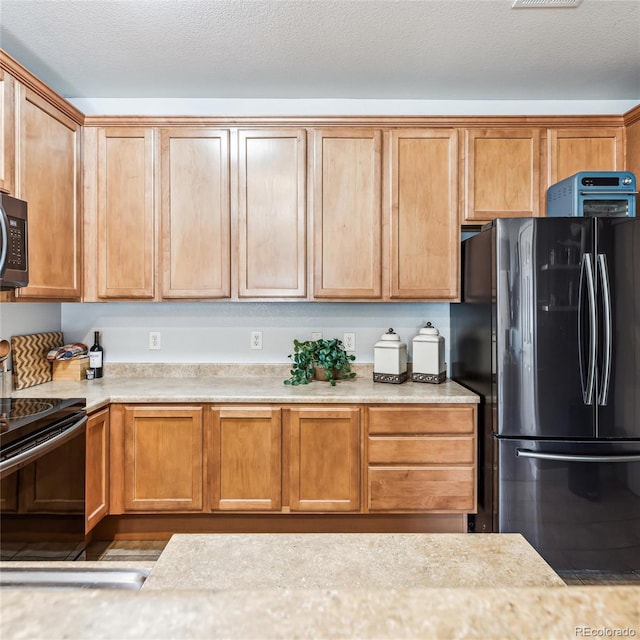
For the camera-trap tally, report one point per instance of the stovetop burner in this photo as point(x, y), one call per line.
point(21, 416)
point(23, 407)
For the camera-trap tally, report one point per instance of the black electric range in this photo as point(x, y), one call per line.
point(32, 426)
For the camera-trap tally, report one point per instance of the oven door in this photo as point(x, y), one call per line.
point(611, 204)
point(43, 498)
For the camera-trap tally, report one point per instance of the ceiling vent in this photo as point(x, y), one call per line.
point(545, 4)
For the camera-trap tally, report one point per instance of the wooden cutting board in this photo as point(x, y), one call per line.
point(30, 364)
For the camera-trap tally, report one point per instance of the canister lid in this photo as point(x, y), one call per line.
point(429, 330)
point(390, 340)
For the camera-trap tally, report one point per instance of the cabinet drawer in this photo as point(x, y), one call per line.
point(422, 450)
point(433, 419)
point(420, 489)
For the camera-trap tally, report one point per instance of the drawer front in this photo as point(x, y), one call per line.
point(420, 489)
point(433, 419)
point(422, 450)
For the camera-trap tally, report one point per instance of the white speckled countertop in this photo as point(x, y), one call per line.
point(239, 383)
point(485, 601)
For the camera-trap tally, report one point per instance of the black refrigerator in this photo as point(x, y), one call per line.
point(548, 334)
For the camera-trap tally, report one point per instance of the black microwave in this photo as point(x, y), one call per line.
point(14, 256)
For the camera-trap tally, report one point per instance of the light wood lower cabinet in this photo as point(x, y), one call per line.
point(245, 461)
point(162, 467)
point(422, 459)
point(325, 459)
point(97, 469)
point(293, 459)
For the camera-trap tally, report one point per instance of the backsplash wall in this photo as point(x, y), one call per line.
point(219, 332)
point(19, 318)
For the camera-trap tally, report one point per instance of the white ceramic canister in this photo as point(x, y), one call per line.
point(390, 359)
point(428, 356)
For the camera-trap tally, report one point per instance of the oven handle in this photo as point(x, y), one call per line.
point(9, 466)
point(567, 457)
point(4, 241)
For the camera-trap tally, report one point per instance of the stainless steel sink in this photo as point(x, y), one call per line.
point(72, 578)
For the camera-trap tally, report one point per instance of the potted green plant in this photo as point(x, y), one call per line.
point(329, 356)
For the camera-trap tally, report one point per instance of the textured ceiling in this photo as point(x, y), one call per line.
point(393, 49)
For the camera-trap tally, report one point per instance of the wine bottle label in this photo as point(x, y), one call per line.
point(95, 359)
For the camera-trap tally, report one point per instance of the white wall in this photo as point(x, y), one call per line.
point(19, 318)
point(219, 332)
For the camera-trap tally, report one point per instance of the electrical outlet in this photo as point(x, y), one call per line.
point(256, 339)
point(155, 340)
point(316, 335)
point(349, 341)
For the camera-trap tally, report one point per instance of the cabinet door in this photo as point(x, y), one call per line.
point(324, 460)
point(591, 149)
point(7, 133)
point(125, 213)
point(48, 181)
point(97, 469)
point(347, 213)
point(163, 458)
point(502, 173)
point(245, 467)
point(196, 218)
point(272, 213)
point(424, 214)
point(9, 494)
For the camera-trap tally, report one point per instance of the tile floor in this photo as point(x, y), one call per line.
point(150, 550)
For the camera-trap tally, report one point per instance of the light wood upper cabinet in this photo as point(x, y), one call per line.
point(502, 174)
point(590, 149)
point(245, 461)
point(97, 469)
point(347, 213)
point(324, 459)
point(47, 178)
point(272, 213)
point(162, 464)
point(424, 222)
point(7, 133)
point(125, 233)
point(195, 213)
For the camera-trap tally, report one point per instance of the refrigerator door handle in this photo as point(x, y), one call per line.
point(586, 275)
point(606, 321)
point(568, 457)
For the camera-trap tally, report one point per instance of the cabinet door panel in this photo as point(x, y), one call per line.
point(48, 181)
point(347, 213)
point(424, 214)
point(272, 213)
point(325, 460)
point(246, 465)
point(97, 469)
point(163, 458)
point(126, 221)
point(195, 213)
point(573, 150)
point(502, 174)
point(7, 133)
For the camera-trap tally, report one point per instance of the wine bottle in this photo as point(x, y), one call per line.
point(96, 355)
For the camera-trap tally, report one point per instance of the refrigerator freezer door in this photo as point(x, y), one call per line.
point(577, 503)
point(545, 328)
point(618, 370)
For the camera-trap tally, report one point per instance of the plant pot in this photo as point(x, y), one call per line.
point(320, 374)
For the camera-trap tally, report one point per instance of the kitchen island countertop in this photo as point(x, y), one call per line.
point(442, 595)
